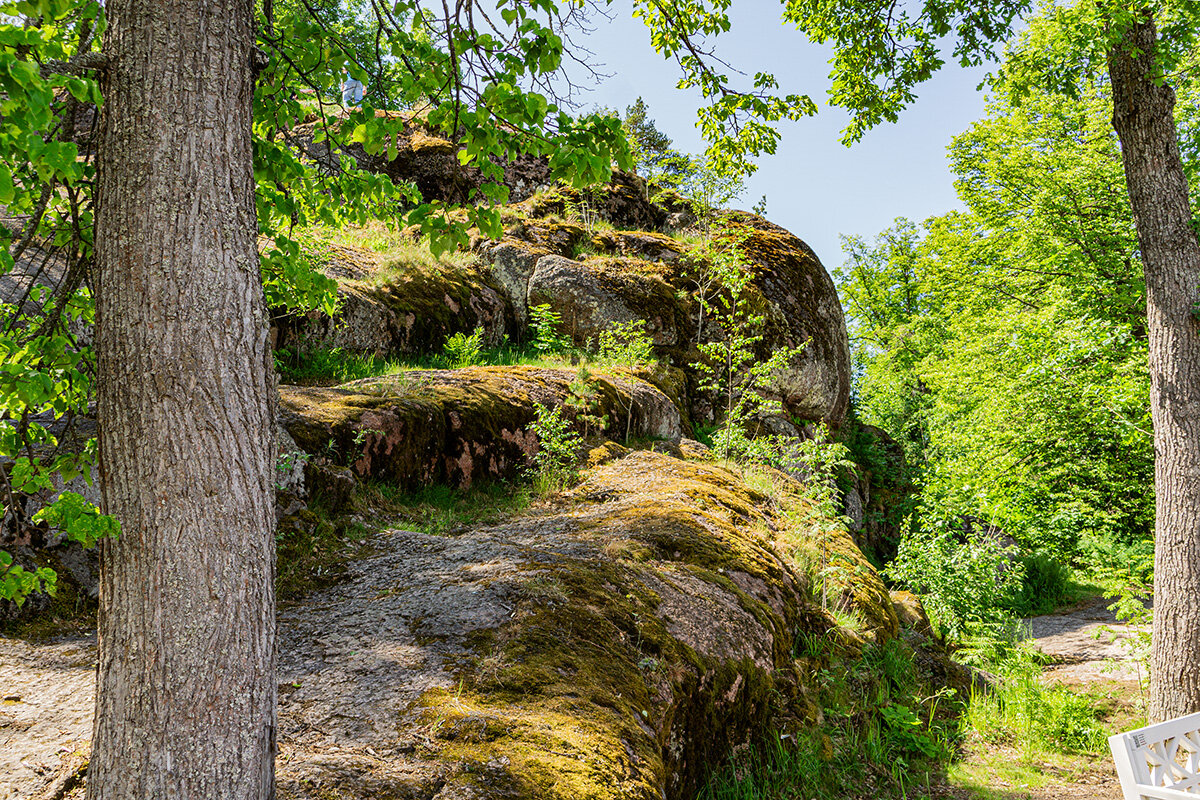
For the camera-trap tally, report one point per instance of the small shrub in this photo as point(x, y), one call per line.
point(583, 400)
point(546, 324)
point(463, 350)
point(625, 344)
point(554, 463)
point(1046, 586)
point(963, 584)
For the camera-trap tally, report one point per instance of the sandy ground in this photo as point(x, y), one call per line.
point(47, 692)
point(1087, 644)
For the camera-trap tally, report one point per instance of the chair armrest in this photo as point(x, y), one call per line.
point(1161, 793)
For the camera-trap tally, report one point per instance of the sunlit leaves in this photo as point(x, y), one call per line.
point(1006, 344)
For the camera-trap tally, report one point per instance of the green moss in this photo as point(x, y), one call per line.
point(588, 690)
point(313, 549)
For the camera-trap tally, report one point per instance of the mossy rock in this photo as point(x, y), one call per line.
point(639, 244)
point(623, 203)
point(617, 647)
point(458, 427)
point(650, 277)
point(802, 307)
point(591, 296)
point(400, 306)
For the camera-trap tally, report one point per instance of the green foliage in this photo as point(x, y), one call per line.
point(463, 350)
point(17, 583)
point(819, 458)
point(625, 344)
point(731, 368)
point(547, 325)
point(880, 730)
point(556, 457)
point(1034, 715)
point(44, 383)
point(966, 580)
point(1046, 585)
point(583, 401)
point(293, 281)
point(1005, 346)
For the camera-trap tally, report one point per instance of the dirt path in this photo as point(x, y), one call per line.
point(46, 696)
point(1086, 645)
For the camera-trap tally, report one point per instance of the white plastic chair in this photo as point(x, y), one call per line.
point(1159, 762)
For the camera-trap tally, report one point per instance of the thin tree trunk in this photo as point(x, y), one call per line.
point(1158, 191)
point(186, 700)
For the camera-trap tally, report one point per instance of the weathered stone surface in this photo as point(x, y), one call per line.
point(802, 306)
point(592, 296)
point(613, 649)
point(400, 307)
point(790, 289)
point(639, 244)
point(623, 203)
point(457, 426)
point(511, 264)
point(611, 646)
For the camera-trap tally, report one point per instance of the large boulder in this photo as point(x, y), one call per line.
point(617, 647)
point(591, 296)
point(657, 279)
point(801, 308)
point(459, 427)
point(407, 304)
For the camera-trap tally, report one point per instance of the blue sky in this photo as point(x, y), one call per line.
point(815, 187)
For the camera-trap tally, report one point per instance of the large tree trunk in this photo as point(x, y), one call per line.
point(1158, 191)
point(186, 700)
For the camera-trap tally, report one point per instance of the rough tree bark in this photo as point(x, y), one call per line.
point(186, 700)
point(1158, 191)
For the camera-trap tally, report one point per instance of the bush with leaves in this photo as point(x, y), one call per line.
point(557, 453)
point(583, 400)
point(966, 581)
point(625, 344)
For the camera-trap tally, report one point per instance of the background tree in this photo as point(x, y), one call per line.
point(1006, 344)
point(882, 53)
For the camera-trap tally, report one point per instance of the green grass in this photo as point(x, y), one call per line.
point(884, 735)
point(325, 367)
point(440, 510)
point(1038, 718)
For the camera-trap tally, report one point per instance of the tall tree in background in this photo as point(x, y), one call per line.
point(882, 52)
point(186, 696)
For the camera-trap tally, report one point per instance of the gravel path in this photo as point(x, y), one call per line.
point(1087, 644)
